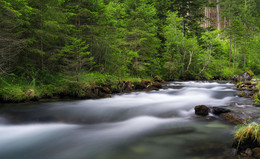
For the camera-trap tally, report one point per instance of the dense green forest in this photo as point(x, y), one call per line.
point(56, 41)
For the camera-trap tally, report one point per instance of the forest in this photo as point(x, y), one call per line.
point(45, 44)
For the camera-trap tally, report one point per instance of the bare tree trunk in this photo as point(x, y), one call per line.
point(230, 51)
point(245, 55)
point(245, 38)
point(183, 47)
point(41, 45)
point(234, 53)
point(191, 53)
point(225, 19)
point(207, 62)
point(135, 46)
point(206, 17)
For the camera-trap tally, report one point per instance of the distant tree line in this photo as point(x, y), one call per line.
point(129, 38)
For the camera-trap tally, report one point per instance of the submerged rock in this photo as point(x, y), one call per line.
point(232, 118)
point(201, 110)
point(181, 130)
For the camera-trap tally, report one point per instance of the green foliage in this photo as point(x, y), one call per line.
point(227, 73)
point(55, 43)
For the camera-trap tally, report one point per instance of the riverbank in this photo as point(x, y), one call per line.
point(86, 86)
point(247, 137)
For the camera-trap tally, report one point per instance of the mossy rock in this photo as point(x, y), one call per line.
point(240, 89)
point(243, 94)
point(251, 73)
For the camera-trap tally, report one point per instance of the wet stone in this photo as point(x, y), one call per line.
point(201, 110)
point(218, 110)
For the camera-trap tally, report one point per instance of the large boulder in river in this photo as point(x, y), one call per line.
point(201, 110)
point(246, 76)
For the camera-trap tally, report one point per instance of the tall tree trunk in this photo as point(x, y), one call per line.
point(245, 55)
point(230, 51)
point(183, 47)
point(191, 53)
point(41, 38)
point(218, 16)
point(234, 55)
point(246, 33)
point(135, 27)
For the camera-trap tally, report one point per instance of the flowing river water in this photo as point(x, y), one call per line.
point(139, 125)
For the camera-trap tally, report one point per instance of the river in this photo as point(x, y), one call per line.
point(138, 125)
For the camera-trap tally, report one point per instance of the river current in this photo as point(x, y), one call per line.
point(139, 125)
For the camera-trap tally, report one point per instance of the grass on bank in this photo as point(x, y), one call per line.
point(14, 88)
point(247, 134)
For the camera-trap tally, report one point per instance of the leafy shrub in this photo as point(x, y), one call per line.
point(227, 73)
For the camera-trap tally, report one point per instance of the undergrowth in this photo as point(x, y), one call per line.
point(13, 88)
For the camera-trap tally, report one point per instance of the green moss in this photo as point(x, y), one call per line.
point(250, 72)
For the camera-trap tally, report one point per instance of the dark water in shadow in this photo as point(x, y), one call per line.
point(141, 125)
